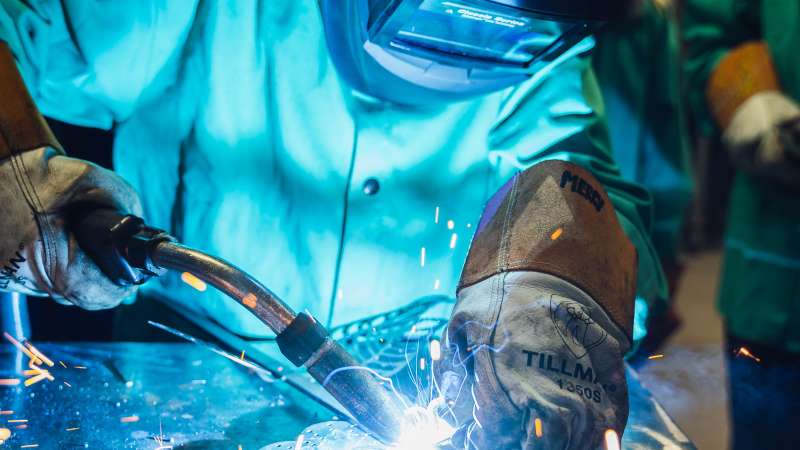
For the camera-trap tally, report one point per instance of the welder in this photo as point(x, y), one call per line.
point(341, 153)
point(745, 77)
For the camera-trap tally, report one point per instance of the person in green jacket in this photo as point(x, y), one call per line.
point(649, 139)
point(744, 72)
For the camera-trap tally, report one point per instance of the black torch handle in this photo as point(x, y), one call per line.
point(120, 244)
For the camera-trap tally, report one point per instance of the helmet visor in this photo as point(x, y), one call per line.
point(471, 32)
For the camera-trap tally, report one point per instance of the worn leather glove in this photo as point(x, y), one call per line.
point(39, 255)
point(536, 341)
point(38, 189)
point(760, 125)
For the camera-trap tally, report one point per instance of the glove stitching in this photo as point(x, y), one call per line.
point(505, 237)
point(44, 226)
point(35, 204)
point(21, 180)
point(497, 385)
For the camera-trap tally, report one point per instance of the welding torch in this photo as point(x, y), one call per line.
point(130, 253)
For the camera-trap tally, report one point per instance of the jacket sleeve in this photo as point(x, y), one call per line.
point(669, 148)
point(655, 151)
point(559, 115)
point(91, 62)
point(711, 28)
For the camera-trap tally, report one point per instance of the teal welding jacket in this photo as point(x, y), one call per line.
point(232, 124)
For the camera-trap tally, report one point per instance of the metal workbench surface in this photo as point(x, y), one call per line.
point(132, 395)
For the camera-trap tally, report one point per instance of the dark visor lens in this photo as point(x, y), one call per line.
point(475, 29)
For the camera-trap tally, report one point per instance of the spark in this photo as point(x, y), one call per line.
point(62, 364)
point(453, 239)
point(249, 300)
point(22, 348)
point(193, 281)
point(422, 257)
point(469, 225)
point(436, 284)
point(422, 364)
point(537, 426)
point(36, 374)
point(29, 446)
point(9, 381)
point(242, 356)
point(39, 354)
point(556, 234)
point(450, 224)
point(436, 350)
point(17, 420)
point(129, 419)
point(436, 216)
point(6, 412)
point(24, 426)
point(658, 356)
point(160, 439)
point(302, 437)
point(612, 440)
point(80, 367)
point(73, 429)
point(743, 351)
point(67, 384)
point(36, 359)
point(37, 370)
point(34, 380)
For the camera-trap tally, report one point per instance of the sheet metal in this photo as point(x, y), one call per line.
point(148, 396)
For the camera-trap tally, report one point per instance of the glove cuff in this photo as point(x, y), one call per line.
point(557, 219)
point(22, 127)
point(744, 72)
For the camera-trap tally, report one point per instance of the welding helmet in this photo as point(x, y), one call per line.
point(412, 51)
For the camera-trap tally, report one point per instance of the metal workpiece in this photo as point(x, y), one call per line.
point(229, 279)
point(364, 393)
point(149, 396)
point(155, 396)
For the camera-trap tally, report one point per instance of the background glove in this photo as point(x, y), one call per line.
point(760, 125)
point(764, 137)
point(39, 255)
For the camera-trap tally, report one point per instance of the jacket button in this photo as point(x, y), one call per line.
point(371, 186)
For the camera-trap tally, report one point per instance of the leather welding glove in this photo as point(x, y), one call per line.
point(38, 186)
point(544, 316)
point(761, 125)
